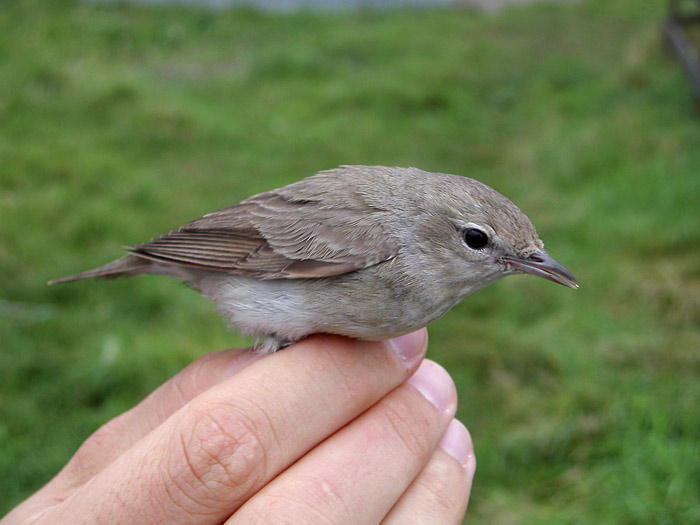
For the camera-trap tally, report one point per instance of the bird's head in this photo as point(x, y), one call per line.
point(482, 236)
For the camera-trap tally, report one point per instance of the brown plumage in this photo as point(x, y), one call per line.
point(350, 239)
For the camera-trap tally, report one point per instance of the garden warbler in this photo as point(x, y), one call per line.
point(369, 252)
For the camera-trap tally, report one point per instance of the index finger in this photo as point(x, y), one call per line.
point(201, 464)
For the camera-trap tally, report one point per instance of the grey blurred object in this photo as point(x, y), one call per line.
point(682, 31)
point(369, 252)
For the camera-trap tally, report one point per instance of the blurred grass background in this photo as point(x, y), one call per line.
point(119, 123)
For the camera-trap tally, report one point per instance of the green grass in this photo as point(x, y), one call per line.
point(119, 123)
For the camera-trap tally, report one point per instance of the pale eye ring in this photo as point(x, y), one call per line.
point(475, 238)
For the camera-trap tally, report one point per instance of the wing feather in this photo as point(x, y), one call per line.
point(280, 234)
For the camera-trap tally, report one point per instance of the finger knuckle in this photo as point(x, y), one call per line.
point(445, 487)
point(408, 425)
point(222, 455)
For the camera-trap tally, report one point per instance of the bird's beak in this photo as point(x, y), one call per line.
point(543, 265)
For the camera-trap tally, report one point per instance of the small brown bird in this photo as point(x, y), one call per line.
point(369, 252)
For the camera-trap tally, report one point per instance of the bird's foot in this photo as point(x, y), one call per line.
point(271, 343)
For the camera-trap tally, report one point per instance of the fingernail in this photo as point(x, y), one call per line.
point(410, 347)
point(457, 442)
point(435, 384)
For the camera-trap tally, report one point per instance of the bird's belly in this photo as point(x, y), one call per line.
point(294, 308)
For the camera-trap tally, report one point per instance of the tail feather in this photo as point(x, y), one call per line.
point(128, 266)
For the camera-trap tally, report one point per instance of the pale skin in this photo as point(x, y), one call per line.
point(329, 430)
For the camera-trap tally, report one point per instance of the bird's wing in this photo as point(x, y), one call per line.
point(280, 235)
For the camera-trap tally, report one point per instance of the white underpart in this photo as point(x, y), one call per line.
point(276, 312)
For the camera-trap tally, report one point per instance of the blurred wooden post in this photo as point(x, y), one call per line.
point(683, 18)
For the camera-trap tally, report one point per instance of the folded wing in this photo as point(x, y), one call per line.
point(275, 235)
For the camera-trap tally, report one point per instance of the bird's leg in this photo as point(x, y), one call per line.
point(271, 343)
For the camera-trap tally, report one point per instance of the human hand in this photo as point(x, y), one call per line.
point(325, 431)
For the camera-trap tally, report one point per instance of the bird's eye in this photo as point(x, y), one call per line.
point(475, 239)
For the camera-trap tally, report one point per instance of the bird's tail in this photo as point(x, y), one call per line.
point(128, 266)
